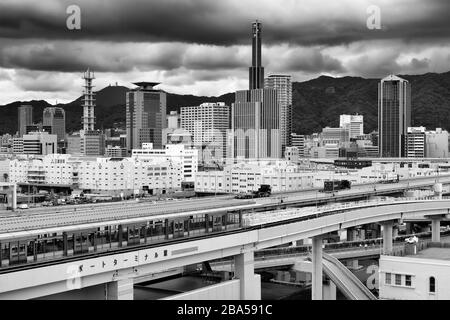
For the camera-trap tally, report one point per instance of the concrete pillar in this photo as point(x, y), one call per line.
point(362, 234)
point(317, 268)
point(438, 190)
point(329, 290)
point(353, 264)
point(352, 234)
point(14, 197)
point(387, 237)
point(395, 231)
point(435, 229)
point(121, 289)
point(409, 228)
point(244, 270)
point(287, 276)
point(279, 275)
point(342, 235)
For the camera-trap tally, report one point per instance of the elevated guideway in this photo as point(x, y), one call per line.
point(345, 280)
point(238, 238)
point(61, 216)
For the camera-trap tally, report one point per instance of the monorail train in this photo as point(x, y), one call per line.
point(26, 247)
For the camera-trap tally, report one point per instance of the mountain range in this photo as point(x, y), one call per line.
point(316, 103)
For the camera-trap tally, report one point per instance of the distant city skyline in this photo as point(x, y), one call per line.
point(206, 50)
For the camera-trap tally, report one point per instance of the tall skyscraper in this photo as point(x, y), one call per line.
point(256, 71)
point(256, 124)
point(55, 118)
point(88, 102)
point(255, 115)
point(283, 85)
point(25, 118)
point(145, 115)
point(394, 115)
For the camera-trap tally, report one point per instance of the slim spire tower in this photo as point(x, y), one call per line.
point(256, 71)
point(88, 102)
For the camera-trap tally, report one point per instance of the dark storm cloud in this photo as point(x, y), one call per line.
point(291, 59)
point(226, 22)
point(101, 56)
point(42, 81)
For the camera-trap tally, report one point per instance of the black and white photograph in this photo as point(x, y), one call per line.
point(225, 158)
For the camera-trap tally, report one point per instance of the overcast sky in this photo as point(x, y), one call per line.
point(203, 47)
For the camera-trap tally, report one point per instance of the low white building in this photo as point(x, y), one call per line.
point(249, 176)
point(106, 175)
point(182, 158)
point(114, 175)
point(424, 276)
point(51, 169)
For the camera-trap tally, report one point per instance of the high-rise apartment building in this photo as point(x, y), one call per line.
point(394, 115)
point(55, 118)
point(353, 123)
point(145, 115)
point(255, 115)
point(25, 117)
point(208, 123)
point(283, 85)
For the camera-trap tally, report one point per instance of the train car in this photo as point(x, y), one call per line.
point(335, 185)
point(32, 246)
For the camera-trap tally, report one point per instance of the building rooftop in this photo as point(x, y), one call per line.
point(146, 85)
point(433, 253)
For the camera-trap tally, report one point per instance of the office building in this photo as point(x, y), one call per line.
point(208, 123)
point(92, 143)
point(25, 117)
point(55, 118)
point(283, 85)
point(115, 152)
point(173, 120)
point(353, 123)
point(38, 127)
point(437, 143)
point(17, 145)
point(415, 142)
point(256, 124)
point(40, 143)
point(337, 136)
point(145, 115)
point(394, 115)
